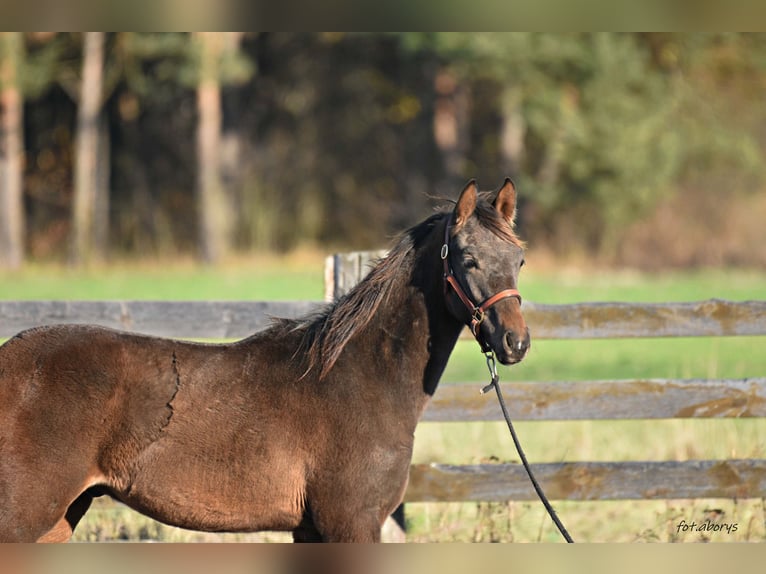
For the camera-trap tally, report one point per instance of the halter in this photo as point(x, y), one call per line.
point(476, 311)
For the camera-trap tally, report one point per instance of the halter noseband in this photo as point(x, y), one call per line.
point(476, 311)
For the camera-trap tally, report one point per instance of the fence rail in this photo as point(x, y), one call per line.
point(231, 319)
point(187, 319)
point(563, 400)
point(598, 400)
point(593, 400)
point(629, 480)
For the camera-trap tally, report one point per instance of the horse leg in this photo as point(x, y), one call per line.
point(64, 528)
point(362, 527)
point(347, 507)
point(336, 524)
point(307, 530)
point(35, 514)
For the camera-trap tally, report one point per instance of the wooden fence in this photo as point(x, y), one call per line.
point(618, 399)
point(597, 400)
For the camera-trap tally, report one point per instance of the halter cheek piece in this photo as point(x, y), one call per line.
point(476, 312)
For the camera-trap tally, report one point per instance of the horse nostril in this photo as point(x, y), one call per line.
point(518, 346)
point(511, 343)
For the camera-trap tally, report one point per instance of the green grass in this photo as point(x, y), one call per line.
point(577, 360)
point(301, 277)
point(576, 285)
point(267, 278)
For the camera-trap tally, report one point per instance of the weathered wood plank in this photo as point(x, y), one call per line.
point(609, 320)
point(213, 319)
point(193, 319)
point(598, 320)
point(739, 478)
point(615, 399)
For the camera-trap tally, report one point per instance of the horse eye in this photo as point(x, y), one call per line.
point(522, 264)
point(470, 263)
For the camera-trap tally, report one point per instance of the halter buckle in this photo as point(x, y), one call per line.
point(445, 251)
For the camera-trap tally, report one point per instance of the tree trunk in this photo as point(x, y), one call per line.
point(451, 123)
point(11, 153)
point(512, 132)
point(101, 204)
point(86, 180)
point(213, 212)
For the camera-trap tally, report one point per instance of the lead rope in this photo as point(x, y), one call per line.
point(491, 365)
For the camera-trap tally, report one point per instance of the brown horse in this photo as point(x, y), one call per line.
point(306, 426)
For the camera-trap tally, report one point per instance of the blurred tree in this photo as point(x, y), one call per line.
point(90, 202)
point(213, 212)
point(168, 181)
point(580, 119)
point(217, 58)
point(343, 137)
point(338, 148)
point(152, 120)
point(11, 151)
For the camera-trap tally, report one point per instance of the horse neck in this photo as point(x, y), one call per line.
point(416, 322)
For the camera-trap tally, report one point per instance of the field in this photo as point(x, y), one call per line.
point(300, 276)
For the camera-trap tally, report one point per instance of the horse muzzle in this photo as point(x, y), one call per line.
point(513, 348)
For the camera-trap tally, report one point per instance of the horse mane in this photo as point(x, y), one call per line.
point(326, 333)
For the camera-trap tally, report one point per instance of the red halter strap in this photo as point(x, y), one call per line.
point(476, 311)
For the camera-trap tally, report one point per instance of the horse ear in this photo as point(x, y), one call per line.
point(505, 201)
point(466, 203)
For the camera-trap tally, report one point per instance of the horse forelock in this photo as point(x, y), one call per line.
point(491, 219)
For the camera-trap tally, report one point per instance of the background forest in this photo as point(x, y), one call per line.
point(640, 150)
point(225, 166)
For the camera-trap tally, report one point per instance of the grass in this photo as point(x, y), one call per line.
point(577, 360)
point(300, 276)
point(259, 277)
point(602, 521)
point(572, 285)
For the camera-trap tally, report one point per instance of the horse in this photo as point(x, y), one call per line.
point(306, 426)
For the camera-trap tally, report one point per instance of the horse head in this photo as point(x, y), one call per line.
point(482, 258)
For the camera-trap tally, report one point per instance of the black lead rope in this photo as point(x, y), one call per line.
point(490, 356)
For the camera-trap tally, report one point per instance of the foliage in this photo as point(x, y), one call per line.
point(595, 115)
point(331, 138)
